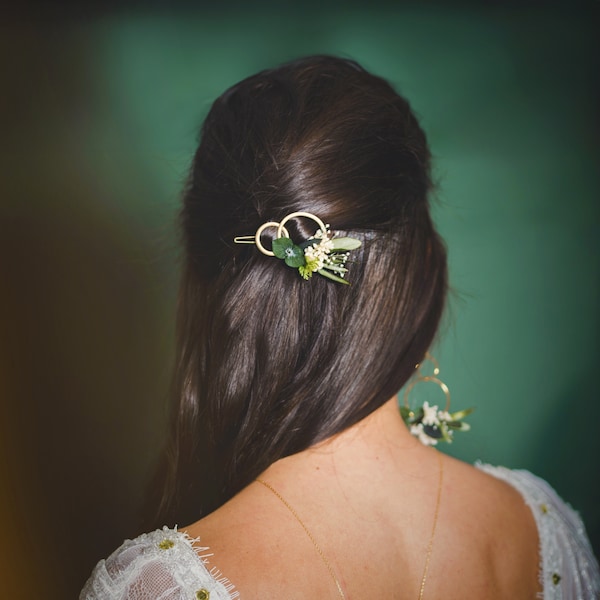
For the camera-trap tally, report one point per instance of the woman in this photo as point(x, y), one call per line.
point(288, 453)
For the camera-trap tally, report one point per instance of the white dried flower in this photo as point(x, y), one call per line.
point(430, 416)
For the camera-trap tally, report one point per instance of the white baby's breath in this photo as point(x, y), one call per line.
point(430, 416)
point(444, 415)
point(317, 255)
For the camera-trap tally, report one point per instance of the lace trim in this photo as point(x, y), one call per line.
point(165, 564)
point(203, 554)
point(568, 568)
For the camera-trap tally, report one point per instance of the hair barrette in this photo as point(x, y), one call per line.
point(321, 253)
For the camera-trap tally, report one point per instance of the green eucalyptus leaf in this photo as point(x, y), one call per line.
point(294, 257)
point(337, 268)
point(307, 243)
point(405, 413)
point(345, 243)
point(280, 245)
point(332, 276)
point(286, 249)
point(461, 414)
point(446, 435)
point(459, 426)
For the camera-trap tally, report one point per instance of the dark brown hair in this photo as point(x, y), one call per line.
point(269, 364)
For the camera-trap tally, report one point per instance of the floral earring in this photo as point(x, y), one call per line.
point(428, 423)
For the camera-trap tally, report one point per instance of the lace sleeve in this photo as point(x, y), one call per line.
point(162, 565)
point(568, 567)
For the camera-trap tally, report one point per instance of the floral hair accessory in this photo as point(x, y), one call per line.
point(321, 253)
point(428, 423)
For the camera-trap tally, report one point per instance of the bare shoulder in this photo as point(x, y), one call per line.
point(486, 541)
point(248, 544)
point(488, 500)
point(491, 520)
point(473, 485)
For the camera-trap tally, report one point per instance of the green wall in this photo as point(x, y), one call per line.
point(102, 117)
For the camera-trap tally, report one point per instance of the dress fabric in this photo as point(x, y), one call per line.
point(162, 565)
point(168, 565)
point(568, 569)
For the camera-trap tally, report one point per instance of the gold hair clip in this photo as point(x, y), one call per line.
point(320, 253)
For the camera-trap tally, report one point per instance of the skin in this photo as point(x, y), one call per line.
point(368, 497)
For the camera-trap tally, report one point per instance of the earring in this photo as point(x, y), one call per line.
point(428, 423)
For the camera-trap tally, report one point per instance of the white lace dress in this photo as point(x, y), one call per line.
point(168, 565)
point(162, 565)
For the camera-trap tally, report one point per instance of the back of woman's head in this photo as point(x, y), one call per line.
point(270, 363)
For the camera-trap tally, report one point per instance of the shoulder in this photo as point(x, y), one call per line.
point(490, 499)
point(567, 562)
point(553, 516)
point(261, 548)
point(164, 560)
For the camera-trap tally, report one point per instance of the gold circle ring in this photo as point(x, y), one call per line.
point(308, 215)
point(424, 379)
point(280, 230)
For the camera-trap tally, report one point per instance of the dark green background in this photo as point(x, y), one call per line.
point(100, 116)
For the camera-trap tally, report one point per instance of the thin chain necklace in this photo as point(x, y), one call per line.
point(324, 558)
point(435, 520)
point(309, 534)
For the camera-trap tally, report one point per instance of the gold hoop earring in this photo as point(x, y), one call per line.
point(428, 423)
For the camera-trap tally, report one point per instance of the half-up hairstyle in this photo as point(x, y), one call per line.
point(268, 363)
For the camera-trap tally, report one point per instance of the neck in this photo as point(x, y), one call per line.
point(370, 451)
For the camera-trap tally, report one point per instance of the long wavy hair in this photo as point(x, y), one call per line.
point(269, 364)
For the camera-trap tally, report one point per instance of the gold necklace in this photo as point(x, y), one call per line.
point(435, 519)
point(324, 558)
point(309, 534)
